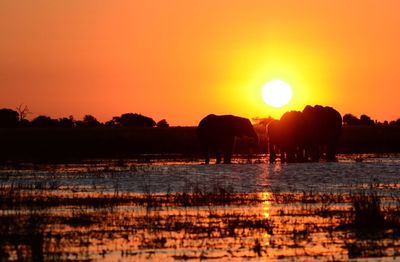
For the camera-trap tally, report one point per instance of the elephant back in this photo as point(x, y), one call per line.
point(224, 126)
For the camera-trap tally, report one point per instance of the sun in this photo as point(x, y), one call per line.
point(276, 93)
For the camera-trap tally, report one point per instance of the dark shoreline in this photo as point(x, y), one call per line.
point(78, 144)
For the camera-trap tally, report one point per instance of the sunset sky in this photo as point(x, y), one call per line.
point(181, 60)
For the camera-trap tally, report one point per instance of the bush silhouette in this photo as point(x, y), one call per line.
point(134, 120)
point(66, 122)
point(366, 120)
point(8, 117)
point(44, 121)
point(349, 119)
point(162, 123)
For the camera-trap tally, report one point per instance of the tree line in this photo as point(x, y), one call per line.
point(364, 120)
point(17, 118)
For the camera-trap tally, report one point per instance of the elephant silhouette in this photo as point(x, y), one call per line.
point(307, 135)
point(217, 133)
point(286, 137)
point(324, 130)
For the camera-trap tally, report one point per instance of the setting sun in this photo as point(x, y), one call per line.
point(276, 93)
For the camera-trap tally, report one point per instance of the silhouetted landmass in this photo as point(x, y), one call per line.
point(76, 144)
point(12, 118)
point(17, 118)
point(71, 144)
point(370, 139)
point(133, 136)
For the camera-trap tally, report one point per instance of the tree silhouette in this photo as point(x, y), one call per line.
point(66, 122)
point(349, 119)
point(44, 121)
point(8, 117)
point(134, 120)
point(162, 123)
point(366, 120)
point(90, 121)
point(110, 123)
point(395, 123)
point(23, 112)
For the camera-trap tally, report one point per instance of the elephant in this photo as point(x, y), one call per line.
point(306, 135)
point(286, 136)
point(217, 133)
point(325, 129)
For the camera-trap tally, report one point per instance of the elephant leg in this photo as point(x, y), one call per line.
point(228, 150)
point(300, 154)
point(307, 153)
point(227, 158)
point(218, 156)
point(207, 157)
point(290, 156)
point(315, 154)
point(272, 153)
point(330, 153)
point(283, 155)
point(206, 152)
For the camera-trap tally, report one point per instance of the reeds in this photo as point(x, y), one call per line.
point(46, 223)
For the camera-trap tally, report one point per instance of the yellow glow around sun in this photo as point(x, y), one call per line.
point(276, 93)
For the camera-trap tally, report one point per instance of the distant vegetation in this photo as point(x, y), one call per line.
point(17, 118)
point(133, 135)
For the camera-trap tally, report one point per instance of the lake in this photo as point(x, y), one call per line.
point(177, 209)
point(163, 176)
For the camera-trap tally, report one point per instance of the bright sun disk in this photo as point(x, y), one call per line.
point(276, 93)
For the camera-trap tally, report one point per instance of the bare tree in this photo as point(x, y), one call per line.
point(23, 112)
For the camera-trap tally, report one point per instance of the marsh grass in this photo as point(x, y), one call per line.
point(47, 223)
point(368, 213)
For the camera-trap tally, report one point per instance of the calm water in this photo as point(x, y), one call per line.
point(346, 175)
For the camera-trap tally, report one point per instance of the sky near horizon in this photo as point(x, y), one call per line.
point(181, 60)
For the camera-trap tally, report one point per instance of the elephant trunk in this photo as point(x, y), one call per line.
point(254, 139)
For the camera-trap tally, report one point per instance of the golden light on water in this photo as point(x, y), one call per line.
point(266, 203)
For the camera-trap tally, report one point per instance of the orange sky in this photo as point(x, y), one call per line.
point(181, 60)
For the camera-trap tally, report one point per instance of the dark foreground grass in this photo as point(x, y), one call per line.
point(375, 228)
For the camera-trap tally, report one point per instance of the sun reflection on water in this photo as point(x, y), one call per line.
point(266, 204)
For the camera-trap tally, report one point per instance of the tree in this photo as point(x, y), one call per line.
point(162, 123)
point(66, 122)
point(366, 120)
point(8, 117)
point(395, 122)
point(134, 120)
point(110, 123)
point(88, 121)
point(44, 121)
point(23, 112)
point(349, 119)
